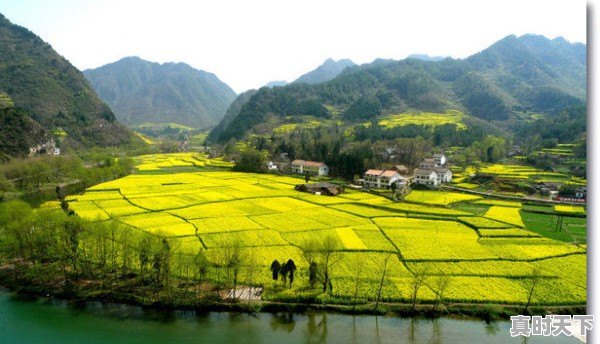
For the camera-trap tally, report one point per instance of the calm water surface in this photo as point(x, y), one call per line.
point(51, 321)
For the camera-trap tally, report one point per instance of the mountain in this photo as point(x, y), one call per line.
point(514, 75)
point(141, 92)
point(232, 112)
point(45, 93)
point(276, 83)
point(425, 57)
point(325, 72)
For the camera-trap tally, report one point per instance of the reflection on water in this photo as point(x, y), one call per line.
point(51, 321)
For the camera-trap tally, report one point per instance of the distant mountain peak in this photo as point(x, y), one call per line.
point(276, 83)
point(141, 91)
point(328, 70)
point(425, 57)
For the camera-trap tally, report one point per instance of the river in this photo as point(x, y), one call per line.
point(56, 321)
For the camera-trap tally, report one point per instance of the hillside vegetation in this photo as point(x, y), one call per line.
point(140, 92)
point(47, 93)
point(514, 75)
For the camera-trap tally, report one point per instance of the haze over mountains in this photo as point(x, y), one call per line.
point(140, 92)
point(43, 92)
point(516, 74)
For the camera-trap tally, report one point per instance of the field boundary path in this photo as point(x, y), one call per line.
point(514, 198)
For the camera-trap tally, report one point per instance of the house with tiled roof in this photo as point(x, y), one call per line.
point(382, 178)
point(309, 167)
point(403, 170)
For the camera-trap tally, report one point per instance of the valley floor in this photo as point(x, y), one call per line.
point(436, 246)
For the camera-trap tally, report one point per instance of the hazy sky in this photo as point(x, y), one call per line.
point(249, 43)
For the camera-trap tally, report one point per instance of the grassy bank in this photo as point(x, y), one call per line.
point(45, 281)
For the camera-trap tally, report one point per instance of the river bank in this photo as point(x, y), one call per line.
point(79, 291)
point(49, 320)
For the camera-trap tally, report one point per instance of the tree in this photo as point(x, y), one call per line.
point(201, 264)
point(307, 178)
point(284, 273)
point(251, 160)
point(359, 268)
point(393, 187)
point(419, 274)
point(144, 255)
point(233, 260)
point(382, 280)
point(329, 246)
point(440, 284)
point(275, 268)
point(313, 274)
point(532, 282)
point(290, 266)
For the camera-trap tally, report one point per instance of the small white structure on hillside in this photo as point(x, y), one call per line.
point(310, 167)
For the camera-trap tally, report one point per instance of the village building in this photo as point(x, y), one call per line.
point(309, 167)
point(426, 176)
point(444, 174)
point(403, 170)
point(440, 159)
point(271, 166)
point(433, 171)
point(382, 178)
point(321, 188)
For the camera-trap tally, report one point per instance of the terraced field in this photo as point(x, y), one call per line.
point(489, 248)
point(423, 118)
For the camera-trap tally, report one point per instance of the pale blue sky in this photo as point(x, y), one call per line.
point(249, 43)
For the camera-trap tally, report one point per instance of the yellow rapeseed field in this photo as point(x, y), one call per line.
point(202, 206)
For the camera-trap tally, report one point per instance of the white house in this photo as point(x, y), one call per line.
point(383, 179)
point(433, 171)
point(440, 159)
point(428, 163)
point(426, 176)
point(309, 167)
point(444, 174)
point(371, 178)
point(271, 166)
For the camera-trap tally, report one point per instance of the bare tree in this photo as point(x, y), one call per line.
point(440, 284)
point(329, 246)
point(382, 280)
point(532, 282)
point(359, 265)
point(321, 254)
point(419, 274)
point(233, 261)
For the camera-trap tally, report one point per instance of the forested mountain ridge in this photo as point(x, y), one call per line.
point(516, 74)
point(47, 94)
point(140, 92)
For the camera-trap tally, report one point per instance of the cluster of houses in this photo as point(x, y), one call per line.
point(432, 172)
point(48, 147)
point(304, 167)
